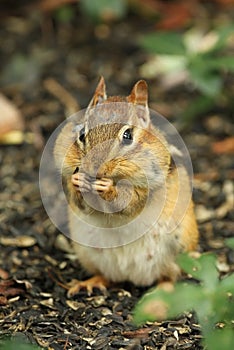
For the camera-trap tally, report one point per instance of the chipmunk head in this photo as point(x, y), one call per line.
point(137, 97)
point(118, 140)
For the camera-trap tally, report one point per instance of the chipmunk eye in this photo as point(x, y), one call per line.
point(82, 135)
point(127, 136)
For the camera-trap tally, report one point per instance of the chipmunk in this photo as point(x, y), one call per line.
point(112, 171)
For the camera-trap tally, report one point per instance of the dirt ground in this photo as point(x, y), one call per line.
point(49, 70)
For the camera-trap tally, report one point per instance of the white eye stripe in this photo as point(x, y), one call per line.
point(77, 128)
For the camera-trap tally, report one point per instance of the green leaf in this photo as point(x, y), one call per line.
point(224, 33)
point(222, 303)
point(13, 344)
point(227, 284)
point(190, 265)
point(225, 63)
point(65, 14)
point(230, 242)
point(197, 107)
point(204, 76)
point(220, 339)
point(212, 300)
point(165, 43)
point(104, 9)
point(208, 83)
point(149, 305)
point(186, 297)
point(166, 65)
point(202, 268)
point(209, 273)
point(159, 304)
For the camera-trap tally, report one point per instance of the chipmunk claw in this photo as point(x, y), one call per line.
point(80, 181)
point(102, 185)
point(98, 282)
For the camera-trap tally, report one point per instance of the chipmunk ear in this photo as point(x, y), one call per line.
point(99, 94)
point(139, 94)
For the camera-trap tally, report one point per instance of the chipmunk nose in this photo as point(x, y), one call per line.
point(96, 163)
point(95, 171)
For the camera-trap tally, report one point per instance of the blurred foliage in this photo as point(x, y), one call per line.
point(230, 242)
point(17, 344)
point(211, 299)
point(201, 59)
point(65, 14)
point(26, 69)
point(104, 10)
point(197, 60)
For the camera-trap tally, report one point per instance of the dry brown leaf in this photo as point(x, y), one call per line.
point(11, 117)
point(3, 300)
point(51, 5)
point(225, 2)
point(212, 175)
point(4, 274)
point(9, 288)
point(224, 146)
point(175, 15)
point(138, 333)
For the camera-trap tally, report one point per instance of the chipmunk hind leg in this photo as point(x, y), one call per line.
point(97, 281)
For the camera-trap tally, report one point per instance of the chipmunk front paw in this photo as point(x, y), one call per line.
point(81, 182)
point(103, 187)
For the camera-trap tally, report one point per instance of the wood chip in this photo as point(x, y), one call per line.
point(20, 241)
point(75, 305)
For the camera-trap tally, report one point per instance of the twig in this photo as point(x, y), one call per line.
point(56, 89)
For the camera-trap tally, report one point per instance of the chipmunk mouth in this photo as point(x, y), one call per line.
point(93, 178)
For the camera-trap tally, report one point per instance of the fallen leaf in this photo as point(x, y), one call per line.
point(224, 146)
point(11, 117)
point(9, 288)
point(4, 274)
point(16, 137)
point(212, 175)
point(175, 15)
point(74, 305)
point(138, 333)
point(225, 2)
point(3, 300)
